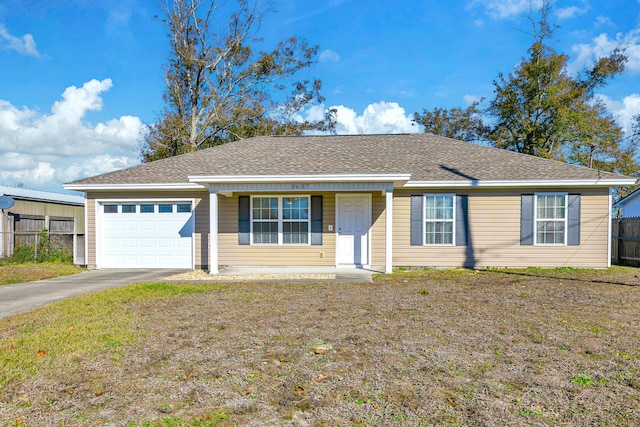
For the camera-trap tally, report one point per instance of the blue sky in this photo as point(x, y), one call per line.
point(80, 79)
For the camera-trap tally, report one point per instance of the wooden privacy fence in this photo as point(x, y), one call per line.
point(625, 241)
point(28, 231)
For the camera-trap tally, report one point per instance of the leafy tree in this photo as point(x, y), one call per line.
point(542, 110)
point(221, 88)
point(627, 163)
point(457, 123)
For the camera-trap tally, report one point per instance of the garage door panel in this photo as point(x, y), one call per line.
point(129, 226)
point(166, 243)
point(110, 226)
point(148, 259)
point(184, 243)
point(147, 226)
point(183, 259)
point(147, 240)
point(147, 243)
point(110, 244)
point(129, 243)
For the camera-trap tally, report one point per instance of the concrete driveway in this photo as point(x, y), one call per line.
point(21, 297)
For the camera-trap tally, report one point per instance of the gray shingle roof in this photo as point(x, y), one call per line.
point(425, 157)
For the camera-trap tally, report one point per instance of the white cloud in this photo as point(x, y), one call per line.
point(623, 110)
point(328, 55)
point(502, 9)
point(24, 45)
point(602, 21)
point(602, 46)
point(571, 11)
point(378, 118)
point(470, 99)
point(42, 151)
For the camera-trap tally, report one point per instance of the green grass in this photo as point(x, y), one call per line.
point(209, 420)
point(29, 272)
point(58, 334)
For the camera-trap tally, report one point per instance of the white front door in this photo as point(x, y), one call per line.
point(353, 223)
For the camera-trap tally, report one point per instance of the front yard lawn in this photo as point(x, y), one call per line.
point(30, 272)
point(420, 347)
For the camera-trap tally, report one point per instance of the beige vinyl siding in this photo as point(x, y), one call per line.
point(494, 224)
point(90, 238)
point(231, 253)
point(201, 227)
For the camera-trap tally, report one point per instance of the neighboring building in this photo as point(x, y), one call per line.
point(377, 201)
point(629, 205)
point(61, 214)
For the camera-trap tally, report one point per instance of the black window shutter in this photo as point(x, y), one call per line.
point(244, 220)
point(573, 216)
point(417, 220)
point(462, 220)
point(526, 220)
point(316, 220)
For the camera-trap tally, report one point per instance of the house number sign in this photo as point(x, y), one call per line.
point(300, 186)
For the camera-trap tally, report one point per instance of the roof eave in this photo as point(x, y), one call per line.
point(525, 183)
point(398, 179)
point(148, 186)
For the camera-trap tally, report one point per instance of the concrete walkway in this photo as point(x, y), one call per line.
point(21, 297)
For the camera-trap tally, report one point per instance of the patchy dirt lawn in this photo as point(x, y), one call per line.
point(458, 348)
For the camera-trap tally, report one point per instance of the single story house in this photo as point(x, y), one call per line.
point(629, 205)
point(34, 210)
point(372, 201)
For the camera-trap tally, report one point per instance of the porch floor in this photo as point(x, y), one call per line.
point(282, 273)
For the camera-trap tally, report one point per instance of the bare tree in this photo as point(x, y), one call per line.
point(221, 88)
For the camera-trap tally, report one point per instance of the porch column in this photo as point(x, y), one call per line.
point(388, 254)
point(610, 231)
point(213, 231)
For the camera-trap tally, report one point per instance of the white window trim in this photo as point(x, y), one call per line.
point(425, 220)
point(280, 220)
point(535, 219)
point(138, 210)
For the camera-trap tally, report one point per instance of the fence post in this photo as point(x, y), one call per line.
point(620, 241)
point(75, 239)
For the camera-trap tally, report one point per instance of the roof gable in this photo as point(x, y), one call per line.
point(629, 198)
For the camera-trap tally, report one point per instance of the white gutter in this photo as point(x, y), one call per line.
point(198, 182)
point(154, 186)
point(218, 179)
point(538, 183)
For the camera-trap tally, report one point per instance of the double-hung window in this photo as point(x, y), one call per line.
point(439, 219)
point(278, 220)
point(295, 220)
point(551, 219)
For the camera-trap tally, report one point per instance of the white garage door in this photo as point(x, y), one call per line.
point(146, 235)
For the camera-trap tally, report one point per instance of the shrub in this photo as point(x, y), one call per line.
point(46, 252)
